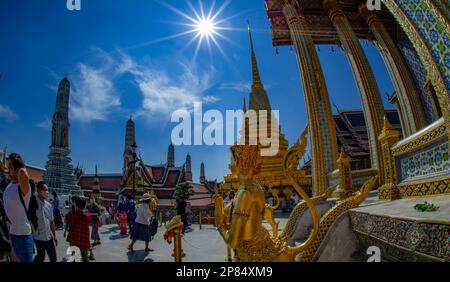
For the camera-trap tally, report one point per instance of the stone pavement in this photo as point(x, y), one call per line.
point(199, 245)
point(205, 245)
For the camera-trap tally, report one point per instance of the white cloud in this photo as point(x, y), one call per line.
point(163, 94)
point(7, 114)
point(45, 124)
point(210, 99)
point(236, 86)
point(94, 97)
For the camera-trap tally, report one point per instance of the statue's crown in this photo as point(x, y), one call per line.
point(246, 158)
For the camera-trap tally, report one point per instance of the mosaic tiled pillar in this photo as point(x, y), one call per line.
point(411, 111)
point(365, 80)
point(428, 28)
point(321, 124)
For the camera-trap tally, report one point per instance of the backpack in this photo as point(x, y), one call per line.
point(31, 209)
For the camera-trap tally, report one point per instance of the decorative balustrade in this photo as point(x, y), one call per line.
point(421, 163)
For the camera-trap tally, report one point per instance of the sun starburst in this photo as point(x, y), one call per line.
point(206, 27)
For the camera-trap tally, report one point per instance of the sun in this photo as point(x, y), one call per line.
point(205, 27)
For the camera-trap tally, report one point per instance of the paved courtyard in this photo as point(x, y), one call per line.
point(205, 245)
point(199, 245)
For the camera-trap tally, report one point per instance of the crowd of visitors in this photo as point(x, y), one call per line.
point(30, 218)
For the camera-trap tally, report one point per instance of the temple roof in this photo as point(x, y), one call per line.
point(202, 196)
point(316, 17)
point(106, 181)
point(352, 134)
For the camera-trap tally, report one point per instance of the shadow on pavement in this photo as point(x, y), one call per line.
point(138, 256)
point(118, 237)
point(111, 230)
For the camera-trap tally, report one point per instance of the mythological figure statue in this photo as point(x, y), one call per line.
point(240, 223)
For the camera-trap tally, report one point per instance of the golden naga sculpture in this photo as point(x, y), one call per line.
point(300, 208)
point(240, 223)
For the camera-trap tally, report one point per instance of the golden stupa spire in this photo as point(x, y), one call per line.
point(258, 96)
point(255, 71)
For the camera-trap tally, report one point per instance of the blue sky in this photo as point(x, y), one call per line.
point(118, 65)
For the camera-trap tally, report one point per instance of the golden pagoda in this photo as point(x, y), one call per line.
point(271, 175)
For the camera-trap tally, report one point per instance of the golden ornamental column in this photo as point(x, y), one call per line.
point(321, 123)
point(388, 137)
point(365, 80)
point(345, 175)
point(411, 110)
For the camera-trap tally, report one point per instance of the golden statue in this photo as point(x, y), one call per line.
point(153, 201)
point(240, 223)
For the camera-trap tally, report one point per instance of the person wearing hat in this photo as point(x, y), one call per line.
point(141, 227)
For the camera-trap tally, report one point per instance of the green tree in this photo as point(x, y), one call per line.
point(184, 191)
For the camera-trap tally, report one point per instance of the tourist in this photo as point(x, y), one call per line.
point(16, 200)
point(113, 215)
point(6, 250)
point(131, 213)
point(94, 211)
point(57, 211)
point(141, 229)
point(78, 232)
point(45, 237)
point(122, 211)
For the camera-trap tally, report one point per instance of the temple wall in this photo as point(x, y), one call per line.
point(431, 161)
point(421, 162)
point(418, 73)
point(401, 239)
point(428, 29)
point(432, 30)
